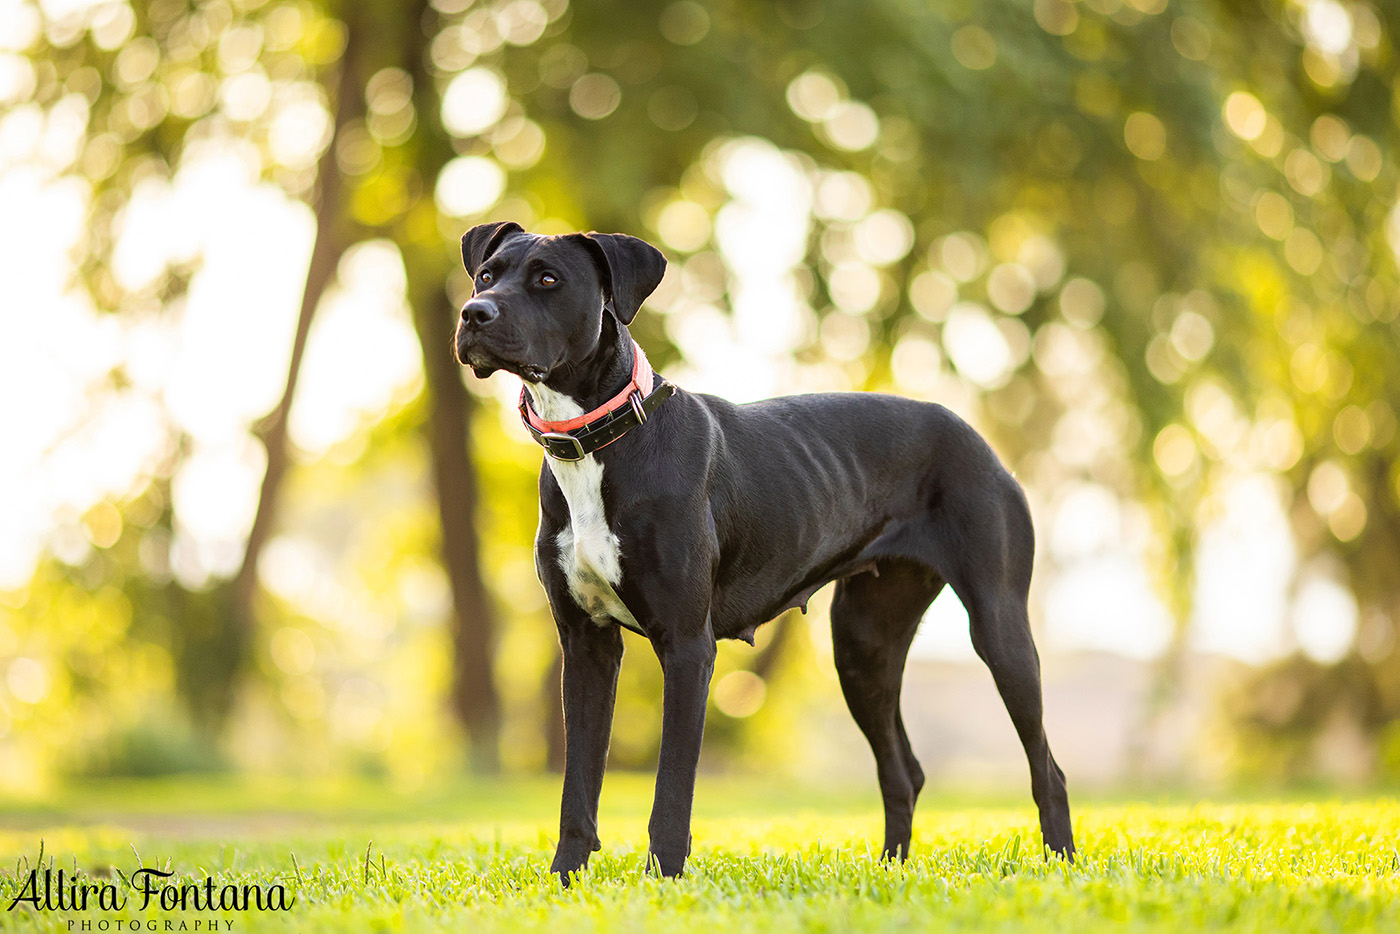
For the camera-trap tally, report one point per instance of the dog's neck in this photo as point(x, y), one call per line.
point(586, 384)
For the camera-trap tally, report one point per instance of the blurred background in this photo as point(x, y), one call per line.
point(255, 519)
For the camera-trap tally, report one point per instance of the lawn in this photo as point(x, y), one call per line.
point(472, 858)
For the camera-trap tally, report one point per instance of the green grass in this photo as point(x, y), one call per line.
point(766, 858)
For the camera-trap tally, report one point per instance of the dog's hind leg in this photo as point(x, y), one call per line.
point(1001, 635)
point(991, 575)
point(873, 620)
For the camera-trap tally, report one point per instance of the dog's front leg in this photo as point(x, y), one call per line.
point(592, 658)
point(687, 661)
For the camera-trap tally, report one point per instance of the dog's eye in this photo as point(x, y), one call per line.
point(548, 279)
point(485, 277)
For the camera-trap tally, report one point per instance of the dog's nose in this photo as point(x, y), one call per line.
point(480, 312)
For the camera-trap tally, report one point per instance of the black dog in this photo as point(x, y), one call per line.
point(689, 519)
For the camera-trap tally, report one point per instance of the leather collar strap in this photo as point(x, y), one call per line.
point(575, 438)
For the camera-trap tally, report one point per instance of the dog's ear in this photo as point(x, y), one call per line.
point(632, 269)
point(481, 241)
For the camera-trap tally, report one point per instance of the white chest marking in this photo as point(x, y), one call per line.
point(589, 553)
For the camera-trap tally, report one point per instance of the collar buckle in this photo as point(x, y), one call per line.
point(566, 438)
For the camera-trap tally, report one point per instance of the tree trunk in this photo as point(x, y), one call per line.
point(473, 695)
point(217, 657)
point(473, 622)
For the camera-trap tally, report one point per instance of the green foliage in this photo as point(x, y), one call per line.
point(1202, 196)
point(154, 745)
point(1228, 204)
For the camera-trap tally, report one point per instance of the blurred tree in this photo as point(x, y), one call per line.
point(429, 257)
point(1320, 116)
point(150, 76)
point(1178, 220)
point(335, 232)
point(1151, 246)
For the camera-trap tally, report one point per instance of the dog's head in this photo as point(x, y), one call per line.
point(538, 302)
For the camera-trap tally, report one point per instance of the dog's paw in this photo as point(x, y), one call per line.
point(569, 862)
point(666, 867)
point(567, 876)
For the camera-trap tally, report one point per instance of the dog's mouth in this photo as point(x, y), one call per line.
point(484, 362)
point(528, 372)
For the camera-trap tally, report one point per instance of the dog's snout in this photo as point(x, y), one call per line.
point(480, 312)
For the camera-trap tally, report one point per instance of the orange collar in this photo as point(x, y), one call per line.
point(641, 383)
